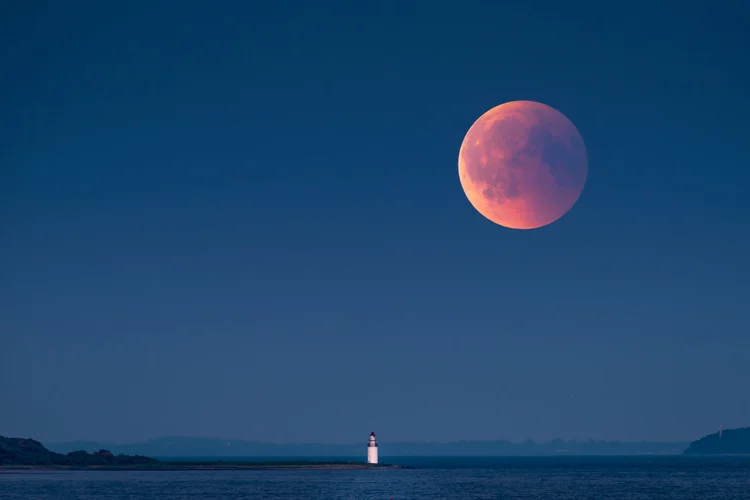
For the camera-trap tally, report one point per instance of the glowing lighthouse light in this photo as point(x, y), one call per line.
point(372, 450)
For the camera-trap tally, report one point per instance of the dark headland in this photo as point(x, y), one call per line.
point(22, 453)
point(727, 442)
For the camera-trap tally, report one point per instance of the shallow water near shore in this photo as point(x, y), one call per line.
point(455, 478)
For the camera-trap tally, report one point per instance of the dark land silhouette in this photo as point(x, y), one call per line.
point(729, 442)
point(24, 453)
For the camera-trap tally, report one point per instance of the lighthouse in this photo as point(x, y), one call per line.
point(372, 450)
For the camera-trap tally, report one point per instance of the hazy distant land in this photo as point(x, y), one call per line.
point(21, 453)
point(209, 447)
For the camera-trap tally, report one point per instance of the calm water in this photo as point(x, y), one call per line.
point(674, 478)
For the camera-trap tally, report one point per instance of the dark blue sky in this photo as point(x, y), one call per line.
point(243, 220)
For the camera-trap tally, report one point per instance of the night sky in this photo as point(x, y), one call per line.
point(244, 220)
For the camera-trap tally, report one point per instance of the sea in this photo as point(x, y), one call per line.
point(434, 478)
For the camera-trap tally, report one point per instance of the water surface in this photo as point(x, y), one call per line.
point(454, 478)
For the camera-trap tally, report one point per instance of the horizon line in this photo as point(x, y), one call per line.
point(322, 443)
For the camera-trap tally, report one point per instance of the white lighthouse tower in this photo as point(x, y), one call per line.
point(372, 450)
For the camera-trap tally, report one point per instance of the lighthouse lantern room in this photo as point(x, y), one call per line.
point(372, 450)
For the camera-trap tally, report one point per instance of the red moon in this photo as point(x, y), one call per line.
point(523, 165)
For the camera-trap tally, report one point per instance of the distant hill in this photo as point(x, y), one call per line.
point(22, 451)
point(210, 447)
point(731, 442)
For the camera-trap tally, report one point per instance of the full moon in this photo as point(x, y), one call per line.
point(523, 165)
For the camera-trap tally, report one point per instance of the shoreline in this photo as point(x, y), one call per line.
point(186, 466)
